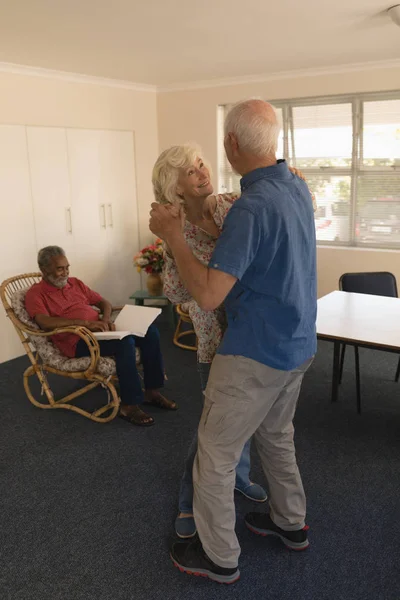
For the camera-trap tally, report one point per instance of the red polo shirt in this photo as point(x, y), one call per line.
point(73, 301)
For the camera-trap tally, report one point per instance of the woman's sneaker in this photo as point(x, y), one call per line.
point(262, 524)
point(254, 492)
point(185, 527)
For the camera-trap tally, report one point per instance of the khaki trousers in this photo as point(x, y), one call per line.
point(244, 397)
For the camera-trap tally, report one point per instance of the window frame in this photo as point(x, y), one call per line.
point(355, 170)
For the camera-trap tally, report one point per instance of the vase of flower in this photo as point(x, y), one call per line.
point(151, 260)
point(154, 284)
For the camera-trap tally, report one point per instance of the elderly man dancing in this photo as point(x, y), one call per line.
point(264, 269)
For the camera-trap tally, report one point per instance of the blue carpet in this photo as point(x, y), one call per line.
point(87, 510)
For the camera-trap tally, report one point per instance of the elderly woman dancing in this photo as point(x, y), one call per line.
point(181, 178)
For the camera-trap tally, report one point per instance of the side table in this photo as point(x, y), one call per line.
point(141, 295)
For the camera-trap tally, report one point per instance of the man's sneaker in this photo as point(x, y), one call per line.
point(262, 524)
point(254, 492)
point(190, 558)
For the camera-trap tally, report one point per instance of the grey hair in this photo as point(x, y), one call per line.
point(166, 171)
point(46, 254)
point(254, 132)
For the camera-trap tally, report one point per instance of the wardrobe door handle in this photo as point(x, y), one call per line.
point(110, 216)
point(103, 223)
point(68, 219)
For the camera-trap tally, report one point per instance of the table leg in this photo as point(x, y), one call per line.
point(396, 378)
point(139, 301)
point(358, 382)
point(335, 371)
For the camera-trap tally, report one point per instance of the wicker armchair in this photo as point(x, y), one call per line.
point(46, 358)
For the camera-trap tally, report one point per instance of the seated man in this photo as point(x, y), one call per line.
point(61, 301)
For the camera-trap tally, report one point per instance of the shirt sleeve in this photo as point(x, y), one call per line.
point(35, 304)
point(91, 296)
point(238, 242)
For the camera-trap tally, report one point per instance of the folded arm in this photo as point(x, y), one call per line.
point(105, 308)
point(38, 309)
point(49, 323)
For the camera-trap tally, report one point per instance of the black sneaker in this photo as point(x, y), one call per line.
point(190, 558)
point(262, 524)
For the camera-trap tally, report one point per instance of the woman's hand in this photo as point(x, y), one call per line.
point(300, 174)
point(297, 172)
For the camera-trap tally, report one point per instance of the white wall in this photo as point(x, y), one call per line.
point(32, 100)
point(191, 116)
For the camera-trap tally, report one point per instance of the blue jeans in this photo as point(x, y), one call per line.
point(242, 469)
point(124, 352)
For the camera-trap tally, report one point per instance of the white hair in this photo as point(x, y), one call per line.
point(166, 171)
point(255, 132)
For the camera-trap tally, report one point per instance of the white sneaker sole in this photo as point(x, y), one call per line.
point(288, 543)
point(228, 579)
point(251, 497)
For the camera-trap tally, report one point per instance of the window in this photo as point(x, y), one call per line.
point(349, 151)
point(322, 136)
point(381, 134)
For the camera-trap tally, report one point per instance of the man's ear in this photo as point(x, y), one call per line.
point(231, 142)
point(234, 144)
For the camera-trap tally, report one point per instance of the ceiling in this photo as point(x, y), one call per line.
point(163, 42)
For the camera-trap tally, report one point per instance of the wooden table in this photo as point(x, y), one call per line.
point(358, 320)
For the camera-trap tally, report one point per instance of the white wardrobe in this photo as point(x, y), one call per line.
point(74, 188)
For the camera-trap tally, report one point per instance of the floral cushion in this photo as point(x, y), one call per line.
point(49, 353)
point(185, 307)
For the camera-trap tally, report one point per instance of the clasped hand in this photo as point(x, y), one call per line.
point(101, 326)
point(166, 220)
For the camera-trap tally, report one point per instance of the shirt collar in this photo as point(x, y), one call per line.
point(52, 289)
point(279, 171)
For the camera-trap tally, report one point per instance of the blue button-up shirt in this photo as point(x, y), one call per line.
point(268, 243)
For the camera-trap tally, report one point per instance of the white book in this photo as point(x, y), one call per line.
point(132, 320)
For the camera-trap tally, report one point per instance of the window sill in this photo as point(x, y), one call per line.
point(357, 248)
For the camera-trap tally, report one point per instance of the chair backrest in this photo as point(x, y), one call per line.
point(16, 284)
point(12, 294)
point(379, 283)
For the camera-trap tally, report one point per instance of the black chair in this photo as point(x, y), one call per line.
point(379, 283)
